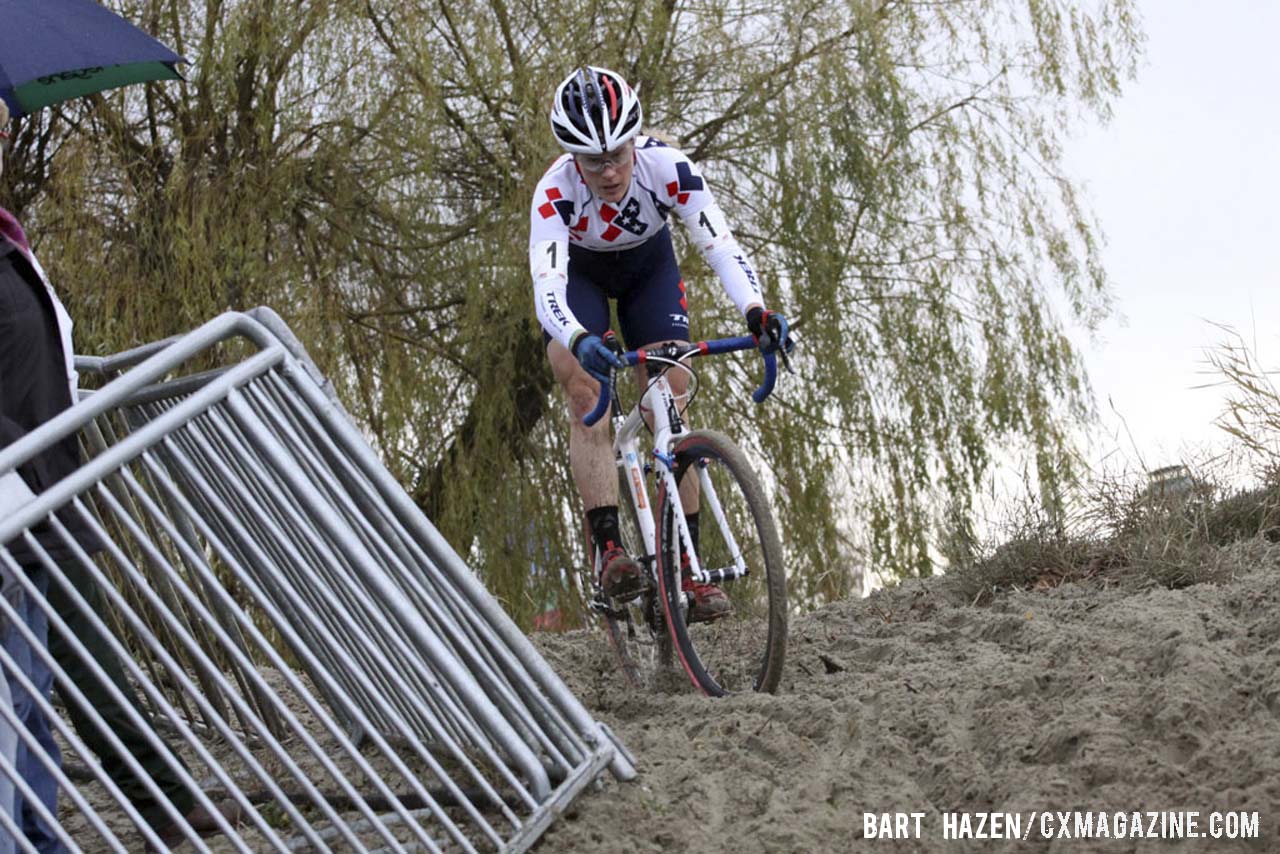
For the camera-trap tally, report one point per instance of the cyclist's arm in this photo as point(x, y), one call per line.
point(549, 267)
point(709, 230)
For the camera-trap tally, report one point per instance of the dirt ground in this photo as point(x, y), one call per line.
point(1107, 696)
point(1100, 697)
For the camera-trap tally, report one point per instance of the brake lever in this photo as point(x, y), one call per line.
point(784, 349)
point(611, 341)
point(786, 359)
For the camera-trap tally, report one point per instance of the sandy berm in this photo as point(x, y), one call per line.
point(1104, 695)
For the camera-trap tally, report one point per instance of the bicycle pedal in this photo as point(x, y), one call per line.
point(604, 609)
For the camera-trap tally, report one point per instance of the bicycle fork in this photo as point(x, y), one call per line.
point(667, 428)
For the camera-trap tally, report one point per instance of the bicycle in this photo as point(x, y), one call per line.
point(737, 544)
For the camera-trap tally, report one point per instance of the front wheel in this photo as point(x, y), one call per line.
point(744, 649)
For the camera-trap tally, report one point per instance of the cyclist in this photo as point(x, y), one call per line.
point(599, 232)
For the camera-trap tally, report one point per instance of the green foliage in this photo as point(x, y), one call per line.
point(365, 168)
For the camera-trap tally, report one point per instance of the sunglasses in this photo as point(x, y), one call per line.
point(597, 163)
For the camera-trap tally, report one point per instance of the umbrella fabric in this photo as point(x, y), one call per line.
point(55, 50)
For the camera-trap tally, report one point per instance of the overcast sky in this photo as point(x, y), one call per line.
point(1186, 182)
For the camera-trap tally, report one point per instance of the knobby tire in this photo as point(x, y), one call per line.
point(726, 655)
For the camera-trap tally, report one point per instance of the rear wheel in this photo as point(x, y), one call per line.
point(743, 650)
point(637, 629)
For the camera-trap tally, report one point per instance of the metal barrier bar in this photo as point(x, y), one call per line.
point(310, 644)
point(463, 643)
point(507, 636)
point(326, 634)
point(423, 754)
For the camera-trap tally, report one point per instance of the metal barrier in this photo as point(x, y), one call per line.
point(301, 634)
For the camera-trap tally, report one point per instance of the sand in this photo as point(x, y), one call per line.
point(1106, 696)
point(1109, 695)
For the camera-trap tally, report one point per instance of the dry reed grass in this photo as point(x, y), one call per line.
point(1172, 527)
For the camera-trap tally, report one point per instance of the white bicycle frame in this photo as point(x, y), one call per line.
point(668, 426)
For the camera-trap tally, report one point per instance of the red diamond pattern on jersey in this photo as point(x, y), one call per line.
point(684, 303)
point(548, 210)
point(607, 214)
point(673, 190)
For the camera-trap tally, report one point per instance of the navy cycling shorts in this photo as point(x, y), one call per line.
point(645, 280)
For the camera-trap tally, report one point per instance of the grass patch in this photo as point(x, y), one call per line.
point(1193, 533)
point(1172, 527)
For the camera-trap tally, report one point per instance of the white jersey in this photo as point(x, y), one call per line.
point(663, 180)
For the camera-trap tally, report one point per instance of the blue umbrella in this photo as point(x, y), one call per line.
point(55, 50)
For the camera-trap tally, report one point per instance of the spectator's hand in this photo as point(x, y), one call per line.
point(595, 357)
point(770, 330)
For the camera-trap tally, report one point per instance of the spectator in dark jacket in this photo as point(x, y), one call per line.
point(35, 385)
point(37, 382)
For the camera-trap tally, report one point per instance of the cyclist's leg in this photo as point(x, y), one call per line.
point(590, 448)
point(590, 451)
point(590, 455)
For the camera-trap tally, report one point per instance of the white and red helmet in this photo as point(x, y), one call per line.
point(595, 111)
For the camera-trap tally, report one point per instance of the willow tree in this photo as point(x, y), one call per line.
point(365, 168)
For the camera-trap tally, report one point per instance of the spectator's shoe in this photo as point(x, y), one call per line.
point(620, 575)
point(202, 822)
